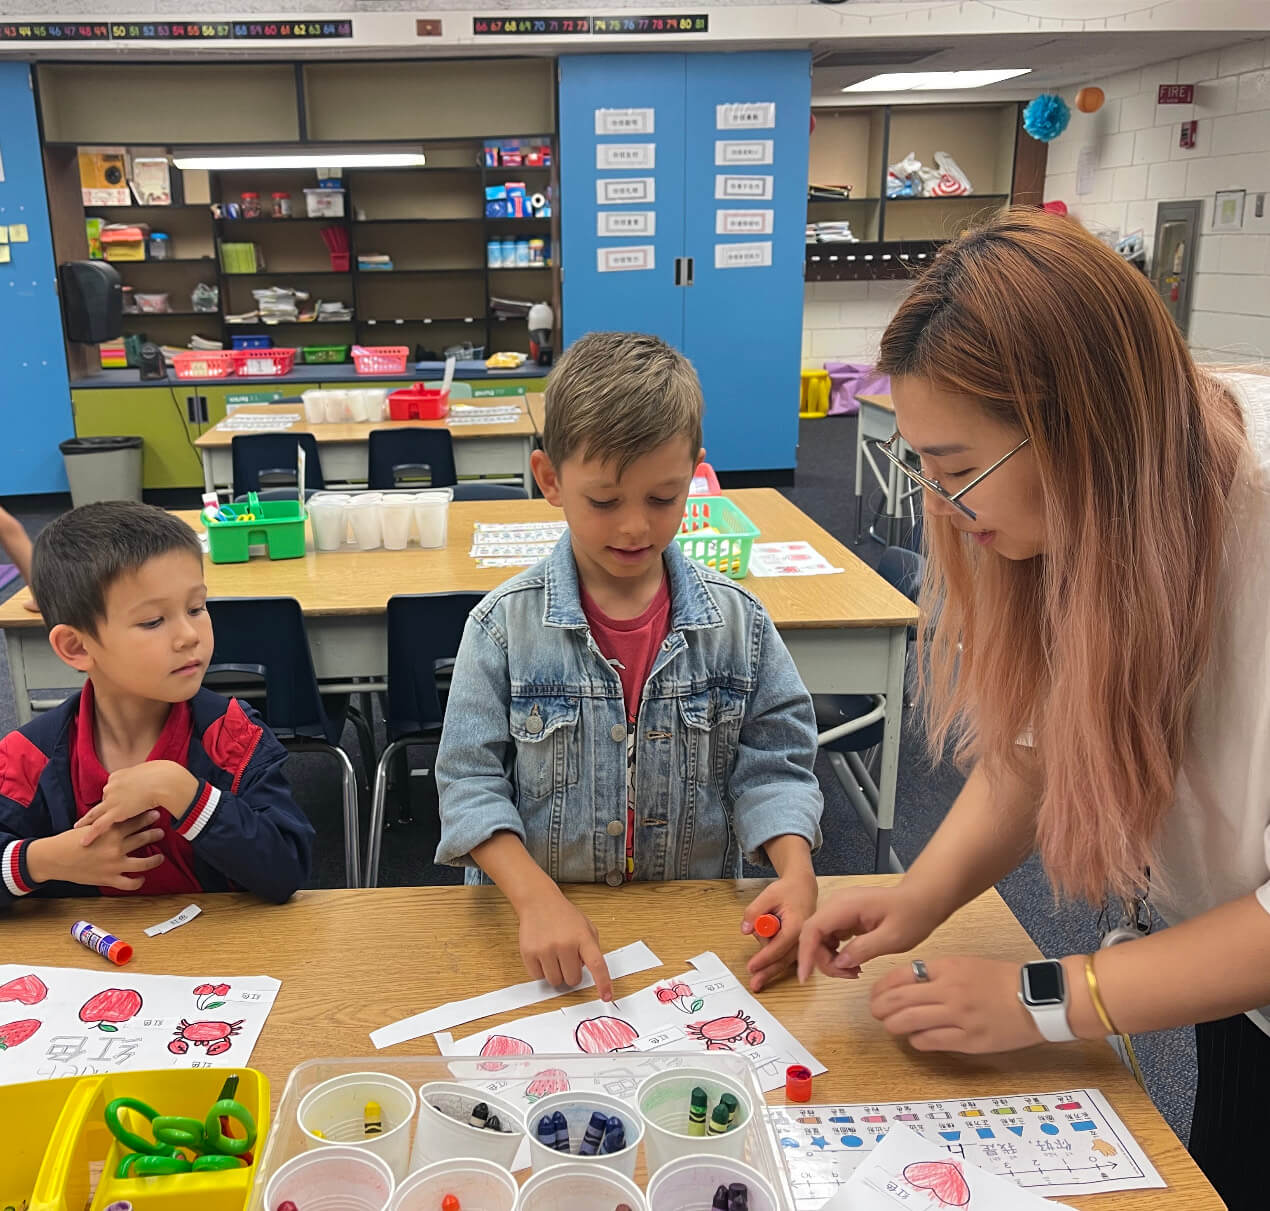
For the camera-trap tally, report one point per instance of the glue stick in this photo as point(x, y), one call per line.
point(106, 945)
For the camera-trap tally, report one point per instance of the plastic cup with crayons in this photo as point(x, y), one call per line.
point(674, 1126)
point(452, 1124)
point(462, 1184)
point(369, 1110)
point(701, 1183)
point(576, 1133)
point(579, 1187)
point(349, 1178)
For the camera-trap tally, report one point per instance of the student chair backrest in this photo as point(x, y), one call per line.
point(474, 490)
point(391, 452)
point(902, 569)
point(261, 641)
point(273, 456)
point(457, 390)
point(424, 631)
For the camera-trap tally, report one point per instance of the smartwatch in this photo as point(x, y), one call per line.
point(1043, 991)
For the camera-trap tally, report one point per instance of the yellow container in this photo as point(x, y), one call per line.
point(814, 394)
point(63, 1141)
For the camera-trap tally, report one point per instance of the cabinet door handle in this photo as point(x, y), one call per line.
point(688, 281)
point(203, 417)
point(679, 271)
point(189, 409)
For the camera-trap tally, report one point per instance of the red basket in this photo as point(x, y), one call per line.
point(200, 364)
point(382, 359)
point(418, 403)
point(263, 363)
point(339, 262)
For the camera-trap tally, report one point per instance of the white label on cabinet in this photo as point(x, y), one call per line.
point(745, 115)
point(743, 256)
point(624, 121)
point(622, 191)
point(726, 186)
point(625, 222)
point(743, 222)
point(619, 260)
point(626, 155)
point(743, 151)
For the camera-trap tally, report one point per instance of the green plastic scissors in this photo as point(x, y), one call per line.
point(174, 1135)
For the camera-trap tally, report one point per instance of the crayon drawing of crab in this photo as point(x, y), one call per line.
point(214, 1036)
point(720, 1034)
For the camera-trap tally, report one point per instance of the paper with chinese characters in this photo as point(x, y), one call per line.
point(70, 1021)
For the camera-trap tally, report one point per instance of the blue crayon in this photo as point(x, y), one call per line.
point(546, 1132)
point(614, 1135)
point(594, 1134)
point(561, 1126)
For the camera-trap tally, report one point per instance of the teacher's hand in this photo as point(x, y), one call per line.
point(968, 1004)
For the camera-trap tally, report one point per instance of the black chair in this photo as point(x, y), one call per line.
point(268, 460)
point(401, 457)
point(262, 654)
point(424, 631)
point(851, 724)
point(475, 490)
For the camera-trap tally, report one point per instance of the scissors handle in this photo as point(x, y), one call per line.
point(143, 1164)
point(128, 1138)
point(217, 1140)
point(177, 1131)
point(215, 1161)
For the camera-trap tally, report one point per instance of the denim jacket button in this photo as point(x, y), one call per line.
point(614, 878)
point(533, 725)
point(618, 732)
point(615, 828)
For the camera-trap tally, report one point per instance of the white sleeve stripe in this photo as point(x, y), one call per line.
point(204, 814)
point(9, 865)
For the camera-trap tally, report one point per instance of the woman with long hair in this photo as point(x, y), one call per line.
point(1095, 645)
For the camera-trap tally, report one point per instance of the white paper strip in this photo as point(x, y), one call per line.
point(729, 186)
point(626, 258)
point(744, 222)
point(745, 115)
point(624, 121)
point(626, 155)
point(625, 222)
point(623, 191)
point(743, 151)
point(187, 914)
point(743, 256)
point(624, 961)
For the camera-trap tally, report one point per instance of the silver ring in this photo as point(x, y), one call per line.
point(920, 974)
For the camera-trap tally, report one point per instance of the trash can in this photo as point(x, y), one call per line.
point(102, 468)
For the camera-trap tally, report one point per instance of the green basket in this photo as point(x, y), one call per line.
point(727, 550)
point(278, 525)
point(325, 355)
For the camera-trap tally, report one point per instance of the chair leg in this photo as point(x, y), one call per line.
point(365, 741)
point(857, 790)
point(352, 813)
point(374, 842)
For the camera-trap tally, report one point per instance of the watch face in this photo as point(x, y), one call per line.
point(1043, 983)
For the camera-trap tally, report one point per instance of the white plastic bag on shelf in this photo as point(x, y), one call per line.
point(950, 181)
point(904, 179)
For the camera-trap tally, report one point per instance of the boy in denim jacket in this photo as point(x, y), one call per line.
point(617, 712)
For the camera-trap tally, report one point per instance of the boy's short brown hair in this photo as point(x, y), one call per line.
point(616, 396)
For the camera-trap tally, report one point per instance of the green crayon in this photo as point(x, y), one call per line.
point(729, 1100)
point(719, 1120)
point(697, 1112)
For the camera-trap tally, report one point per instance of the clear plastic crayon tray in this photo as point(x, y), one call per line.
point(654, 1088)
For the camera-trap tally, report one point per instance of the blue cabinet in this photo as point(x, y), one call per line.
point(721, 274)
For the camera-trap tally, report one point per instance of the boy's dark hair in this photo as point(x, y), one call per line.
point(617, 395)
point(79, 555)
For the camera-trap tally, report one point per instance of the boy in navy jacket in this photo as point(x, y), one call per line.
point(143, 782)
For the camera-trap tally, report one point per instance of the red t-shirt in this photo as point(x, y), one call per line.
point(631, 645)
point(88, 781)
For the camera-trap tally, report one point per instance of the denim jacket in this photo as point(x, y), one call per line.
point(535, 734)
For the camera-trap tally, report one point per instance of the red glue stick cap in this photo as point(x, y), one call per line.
point(798, 1083)
point(768, 925)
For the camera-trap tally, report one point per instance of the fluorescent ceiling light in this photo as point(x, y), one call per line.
point(913, 81)
point(305, 159)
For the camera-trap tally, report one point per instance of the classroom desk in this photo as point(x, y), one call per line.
point(493, 451)
point(877, 422)
point(847, 633)
point(346, 959)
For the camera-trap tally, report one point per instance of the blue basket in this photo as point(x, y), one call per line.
point(253, 342)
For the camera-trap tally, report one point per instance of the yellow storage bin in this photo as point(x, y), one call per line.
point(813, 398)
point(64, 1145)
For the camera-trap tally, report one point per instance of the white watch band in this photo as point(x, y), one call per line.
point(1051, 1021)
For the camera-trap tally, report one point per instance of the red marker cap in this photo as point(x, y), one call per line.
point(798, 1083)
point(768, 925)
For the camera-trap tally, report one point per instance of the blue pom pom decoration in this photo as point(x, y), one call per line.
point(1046, 117)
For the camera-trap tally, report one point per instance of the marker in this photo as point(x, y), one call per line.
point(105, 944)
point(372, 1119)
point(697, 1112)
point(479, 1115)
point(546, 1132)
point(560, 1125)
point(594, 1136)
point(719, 1120)
point(729, 1100)
point(720, 1202)
point(493, 1123)
point(768, 925)
point(449, 1203)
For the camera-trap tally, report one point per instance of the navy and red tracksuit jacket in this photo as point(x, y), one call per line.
point(241, 831)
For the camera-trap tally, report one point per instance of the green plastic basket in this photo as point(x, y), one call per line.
point(278, 526)
point(325, 355)
point(727, 548)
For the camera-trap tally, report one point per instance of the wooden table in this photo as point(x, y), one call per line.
point(493, 451)
point(356, 960)
point(847, 633)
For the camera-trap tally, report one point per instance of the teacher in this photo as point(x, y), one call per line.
point(1095, 647)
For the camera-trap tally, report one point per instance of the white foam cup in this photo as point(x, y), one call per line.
point(689, 1183)
point(580, 1187)
point(332, 1179)
point(663, 1101)
point(337, 1108)
point(479, 1185)
point(397, 513)
point(577, 1107)
point(432, 510)
point(444, 1130)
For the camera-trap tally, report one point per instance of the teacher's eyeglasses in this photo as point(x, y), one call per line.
point(888, 449)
